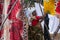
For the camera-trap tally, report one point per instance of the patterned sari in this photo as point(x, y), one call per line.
point(16, 25)
point(15, 31)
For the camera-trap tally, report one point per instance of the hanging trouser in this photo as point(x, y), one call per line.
point(35, 33)
point(46, 34)
point(46, 28)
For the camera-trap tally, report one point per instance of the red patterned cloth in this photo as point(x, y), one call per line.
point(1, 9)
point(58, 8)
point(35, 21)
point(17, 25)
point(1, 32)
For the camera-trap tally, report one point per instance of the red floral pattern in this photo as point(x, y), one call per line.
point(17, 25)
point(58, 7)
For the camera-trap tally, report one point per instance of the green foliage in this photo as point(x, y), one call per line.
point(32, 1)
point(26, 1)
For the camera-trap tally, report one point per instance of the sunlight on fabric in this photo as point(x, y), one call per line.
point(49, 6)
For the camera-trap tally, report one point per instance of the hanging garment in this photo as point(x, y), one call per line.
point(55, 33)
point(58, 15)
point(46, 28)
point(1, 10)
point(16, 25)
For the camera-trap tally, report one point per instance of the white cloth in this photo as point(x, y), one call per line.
point(53, 24)
point(38, 9)
point(29, 11)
